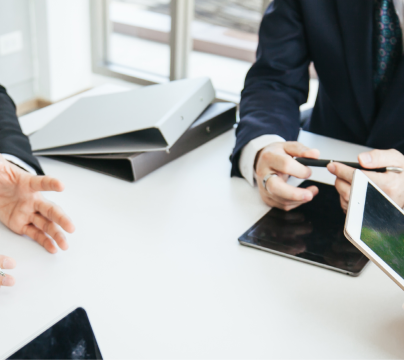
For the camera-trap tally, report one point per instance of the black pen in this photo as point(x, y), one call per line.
point(324, 163)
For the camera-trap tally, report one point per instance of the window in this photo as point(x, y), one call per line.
point(133, 40)
point(153, 41)
point(225, 39)
point(140, 36)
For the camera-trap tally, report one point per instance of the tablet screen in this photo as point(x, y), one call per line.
point(383, 229)
point(313, 232)
point(70, 338)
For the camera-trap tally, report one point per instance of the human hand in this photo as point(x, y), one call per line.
point(25, 211)
point(6, 263)
point(277, 158)
point(391, 183)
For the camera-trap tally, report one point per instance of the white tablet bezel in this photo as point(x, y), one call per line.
point(354, 219)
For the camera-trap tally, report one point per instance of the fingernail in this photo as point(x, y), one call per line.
point(7, 263)
point(365, 158)
point(7, 281)
point(331, 168)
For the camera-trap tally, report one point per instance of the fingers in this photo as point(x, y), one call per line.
point(7, 262)
point(40, 237)
point(283, 196)
point(341, 171)
point(55, 214)
point(46, 222)
point(381, 158)
point(7, 280)
point(50, 228)
point(282, 190)
point(297, 149)
point(283, 164)
point(45, 183)
point(344, 190)
point(277, 158)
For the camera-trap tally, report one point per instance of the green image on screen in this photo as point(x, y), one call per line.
point(383, 229)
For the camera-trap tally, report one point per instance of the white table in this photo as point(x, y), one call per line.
point(158, 267)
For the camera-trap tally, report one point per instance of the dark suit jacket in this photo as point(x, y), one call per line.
point(12, 140)
point(337, 36)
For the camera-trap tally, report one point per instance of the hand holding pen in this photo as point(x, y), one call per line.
point(384, 167)
point(324, 163)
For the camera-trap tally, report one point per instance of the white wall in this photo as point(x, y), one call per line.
point(63, 49)
point(55, 60)
point(16, 69)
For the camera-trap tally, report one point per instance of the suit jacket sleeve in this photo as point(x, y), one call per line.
point(12, 140)
point(278, 82)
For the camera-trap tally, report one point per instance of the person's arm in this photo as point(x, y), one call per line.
point(391, 183)
point(278, 82)
point(12, 140)
point(249, 154)
point(23, 209)
point(21, 164)
point(276, 85)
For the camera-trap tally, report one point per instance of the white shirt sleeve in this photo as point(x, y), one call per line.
point(249, 152)
point(15, 160)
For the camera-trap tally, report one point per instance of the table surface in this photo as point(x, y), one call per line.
point(158, 267)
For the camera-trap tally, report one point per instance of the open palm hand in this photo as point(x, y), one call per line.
point(25, 211)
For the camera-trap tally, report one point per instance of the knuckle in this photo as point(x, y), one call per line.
point(297, 196)
point(271, 187)
point(261, 172)
point(268, 201)
point(266, 156)
point(36, 236)
point(286, 165)
point(395, 152)
point(283, 202)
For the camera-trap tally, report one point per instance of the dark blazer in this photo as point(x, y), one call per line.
point(12, 140)
point(337, 36)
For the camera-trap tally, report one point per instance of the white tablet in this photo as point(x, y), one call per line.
point(375, 225)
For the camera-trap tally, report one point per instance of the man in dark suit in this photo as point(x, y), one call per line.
point(23, 209)
point(356, 47)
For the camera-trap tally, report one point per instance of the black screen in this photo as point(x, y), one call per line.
point(383, 229)
point(313, 231)
point(70, 338)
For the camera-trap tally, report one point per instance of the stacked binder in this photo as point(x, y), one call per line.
point(130, 134)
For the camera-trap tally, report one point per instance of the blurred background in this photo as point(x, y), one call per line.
point(53, 49)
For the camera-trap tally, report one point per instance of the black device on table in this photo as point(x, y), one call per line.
point(324, 163)
point(70, 338)
point(312, 233)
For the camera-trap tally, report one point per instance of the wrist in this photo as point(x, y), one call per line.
point(17, 165)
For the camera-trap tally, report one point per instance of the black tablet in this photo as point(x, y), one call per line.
point(313, 233)
point(70, 338)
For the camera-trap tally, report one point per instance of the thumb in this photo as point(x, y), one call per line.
point(381, 158)
point(294, 148)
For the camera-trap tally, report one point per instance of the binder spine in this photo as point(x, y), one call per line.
point(145, 163)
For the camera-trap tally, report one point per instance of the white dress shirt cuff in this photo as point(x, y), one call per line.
point(15, 160)
point(249, 152)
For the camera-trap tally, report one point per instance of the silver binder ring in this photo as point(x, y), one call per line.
point(266, 178)
point(2, 273)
